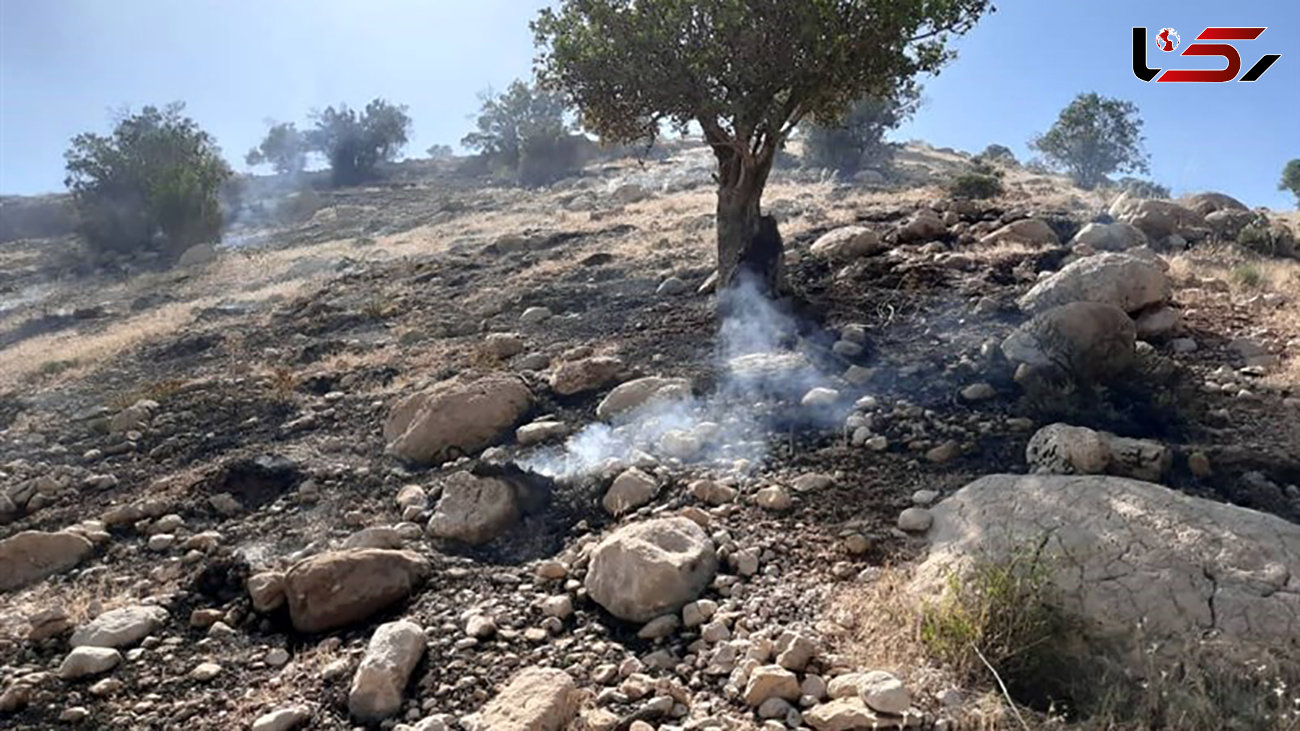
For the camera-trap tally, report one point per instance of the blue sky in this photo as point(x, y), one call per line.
point(65, 65)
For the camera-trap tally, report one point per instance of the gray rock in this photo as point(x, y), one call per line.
point(120, 627)
point(648, 569)
point(380, 681)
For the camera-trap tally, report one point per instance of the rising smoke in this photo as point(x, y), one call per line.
point(763, 371)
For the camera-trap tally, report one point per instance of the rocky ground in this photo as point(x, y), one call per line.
point(450, 455)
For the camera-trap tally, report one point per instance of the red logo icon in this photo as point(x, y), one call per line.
point(1168, 40)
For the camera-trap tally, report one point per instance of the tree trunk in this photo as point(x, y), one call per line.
point(749, 246)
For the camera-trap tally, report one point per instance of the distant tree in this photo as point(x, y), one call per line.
point(524, 134)
point(154, 183)
point(355, 143)
point(1291, 179)
point(284, 148)
point(439, 152)
point(996, 153)
point(1094, 137)
point(856, 141)
point(747, 72)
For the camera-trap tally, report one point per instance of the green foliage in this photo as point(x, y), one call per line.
point(1291, 179)
point(439, 152)
point(355, 143)
point(857, 141)
point(155, 182)
point(523, 134)
point(1143, 188)
point(982, 180)
point(1249, 276)
point(746, 71)
point(1263, 237)
point(996, 153)
point(284, 148)
point(1094, 137)
point(1005, 611)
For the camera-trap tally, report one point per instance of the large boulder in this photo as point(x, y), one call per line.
point(196, 256)
point(1062, 449)
point(536, 699)
point(848, 242)
point(633, 395)
point(1207, 203)
point(30, 556)
point(1127, 282)
point(924, 225)
point(338, 588)
point(1086, 342)
point(1029, 231)
point(648, 569)
point(455, 417)
point(1110, 237)
point(1124, 553)
point(1228, 223)
point(380, 681)
point(474, 509)
point(1159, 219)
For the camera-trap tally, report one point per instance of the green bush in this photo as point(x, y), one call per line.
point(973, 185)
point(1001, 614)
point(857, 141)
point(998, 154)
point(1269, 239)
point(154, 183)
point(524, 135)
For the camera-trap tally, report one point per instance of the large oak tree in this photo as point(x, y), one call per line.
point(747, 72)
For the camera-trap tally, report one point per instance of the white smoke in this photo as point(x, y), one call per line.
point(763, 373)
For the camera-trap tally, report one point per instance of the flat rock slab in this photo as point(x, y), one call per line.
point(120, 627)
point(537, 699)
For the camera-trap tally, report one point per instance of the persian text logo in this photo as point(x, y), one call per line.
point(1168, 40)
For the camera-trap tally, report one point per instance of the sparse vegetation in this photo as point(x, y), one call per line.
point(1000, 154)
point(523, 135)
point(999, 615)
point(748, 72)
point(1094, 137)
point(1139, 188)
point(856, 142)
point(981, 181)
point(356, 143)
point(1269, 239)
point(153, 184)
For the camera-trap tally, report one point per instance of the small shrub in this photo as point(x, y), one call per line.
point(1249, 276)
point(1139, 188)
point(1263, 237)
point(998, 154)
point(1004, 614)
point(975, 185)
point(283, 382)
